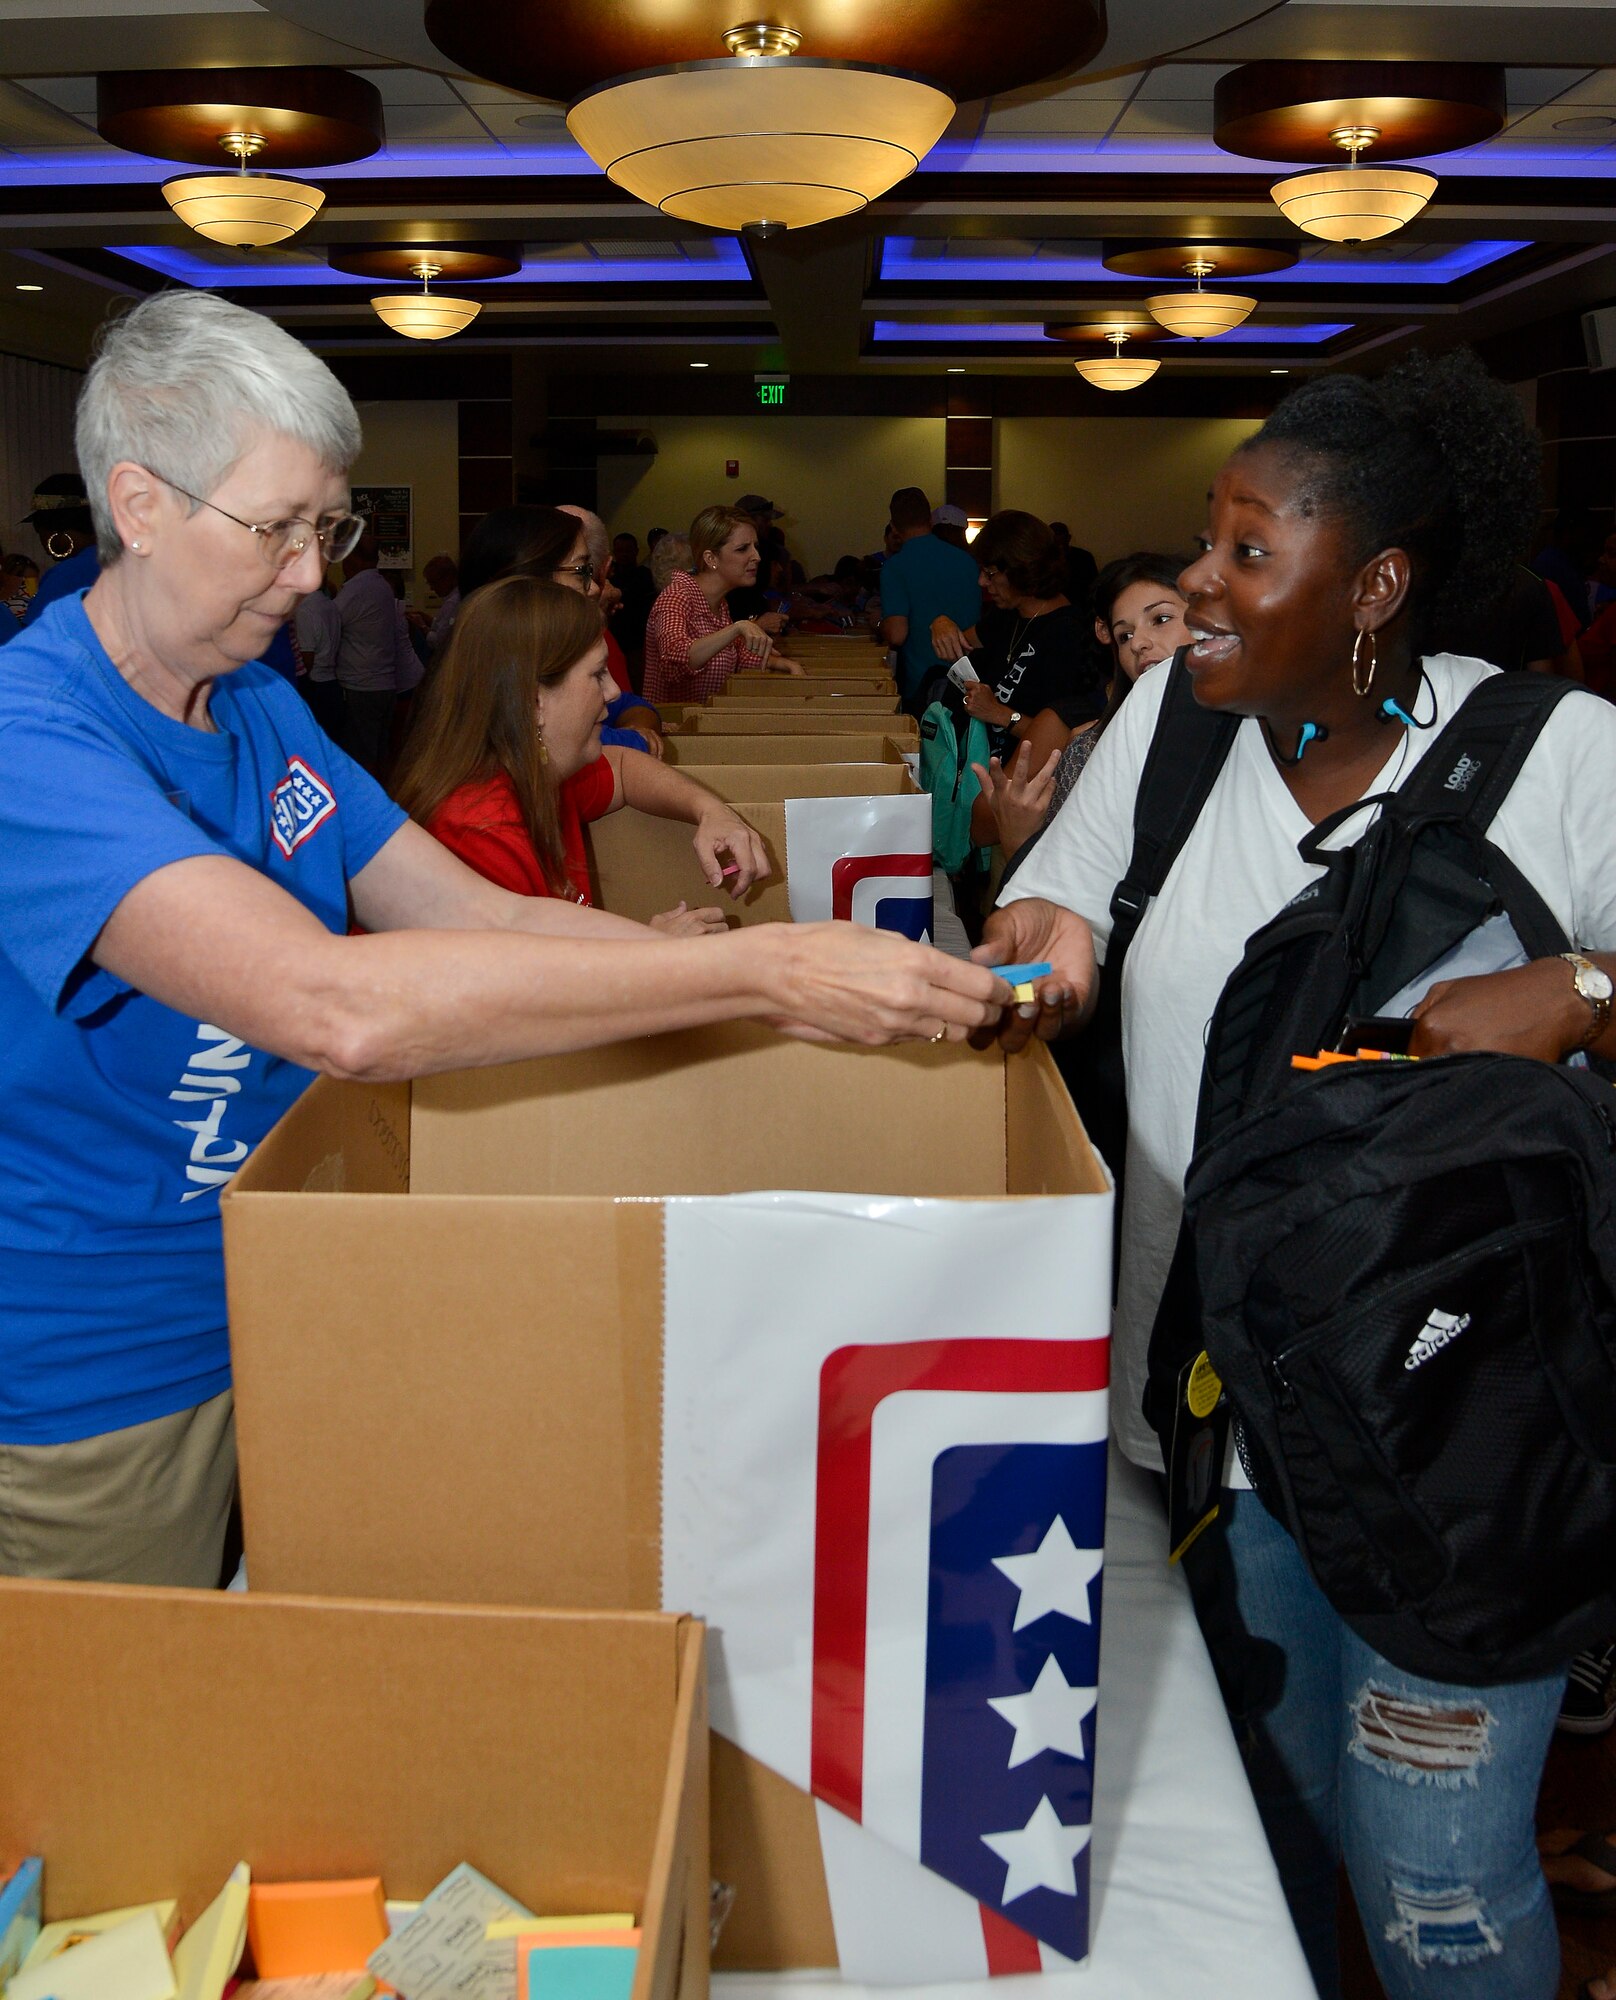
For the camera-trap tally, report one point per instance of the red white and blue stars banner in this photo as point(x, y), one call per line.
point(884, 1439)
point(865, 860)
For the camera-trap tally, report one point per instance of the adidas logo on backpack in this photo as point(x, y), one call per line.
point(1439, 1328)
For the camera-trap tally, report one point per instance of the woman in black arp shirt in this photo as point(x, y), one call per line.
point(1033, 650)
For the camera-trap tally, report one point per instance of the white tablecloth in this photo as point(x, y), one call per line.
point(1187, 1905)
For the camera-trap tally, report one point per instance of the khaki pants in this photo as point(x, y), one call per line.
point(149, 1504)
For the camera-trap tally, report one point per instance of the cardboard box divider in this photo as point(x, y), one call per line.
point(773, 783)
point(766, 687)
point(832, 747)
point(809, 701)
point(854, 717)
point(484, 1423)
point(151, 1739)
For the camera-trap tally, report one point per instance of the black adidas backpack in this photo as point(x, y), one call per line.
point(1406, 1273)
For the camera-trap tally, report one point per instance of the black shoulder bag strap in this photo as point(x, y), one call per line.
point(1467, 774)
point(1188, 750)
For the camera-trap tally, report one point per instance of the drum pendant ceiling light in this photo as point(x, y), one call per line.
point(1310, 112)
point(425, 315)
point(245, 210)
point(763, 139)
point(1115, 372)
point(1200, 315)
point(1354, 204)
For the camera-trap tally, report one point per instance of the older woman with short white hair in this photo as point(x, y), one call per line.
point(182, 854)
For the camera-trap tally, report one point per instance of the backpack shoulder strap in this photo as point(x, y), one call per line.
point(1468, 771)
point(1188, 750)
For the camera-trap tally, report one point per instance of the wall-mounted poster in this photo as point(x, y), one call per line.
point(387, 509)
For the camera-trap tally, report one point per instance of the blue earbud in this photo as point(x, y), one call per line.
point(1311, 732)
point(1391, 712)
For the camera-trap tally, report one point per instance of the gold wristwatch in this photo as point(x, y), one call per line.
point(1594, 985)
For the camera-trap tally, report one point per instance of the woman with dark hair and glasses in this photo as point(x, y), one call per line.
point(183, 853)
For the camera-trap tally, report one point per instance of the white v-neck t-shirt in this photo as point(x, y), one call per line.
point(1238, 869)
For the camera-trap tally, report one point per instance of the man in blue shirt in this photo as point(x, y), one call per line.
point(926, 579)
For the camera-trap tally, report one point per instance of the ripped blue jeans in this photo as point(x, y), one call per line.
point(1426, 1790)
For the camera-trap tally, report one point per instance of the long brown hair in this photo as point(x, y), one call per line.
point(478, 715)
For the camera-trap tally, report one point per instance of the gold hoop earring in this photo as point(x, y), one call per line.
point(59, 554)
point(1362, 692)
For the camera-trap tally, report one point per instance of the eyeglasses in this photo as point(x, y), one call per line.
point(584, 571)
point(281, 543)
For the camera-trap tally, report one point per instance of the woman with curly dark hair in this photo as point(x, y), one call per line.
point(1339, 539)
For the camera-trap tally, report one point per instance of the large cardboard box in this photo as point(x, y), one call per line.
point(840, 747)
point(151, 1739)
point(481, 1416)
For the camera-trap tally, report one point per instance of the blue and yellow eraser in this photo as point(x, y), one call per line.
point(1021, 977)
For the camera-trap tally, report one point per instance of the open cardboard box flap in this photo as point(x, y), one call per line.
point(151, 1739)
point(504, 1223)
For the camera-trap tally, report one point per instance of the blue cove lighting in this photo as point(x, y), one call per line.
point(726, 265)
point(1029, 333)
point(902, 260)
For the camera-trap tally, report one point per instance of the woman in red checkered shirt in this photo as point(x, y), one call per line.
point(692, 645)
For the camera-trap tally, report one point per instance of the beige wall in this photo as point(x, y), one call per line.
point(833, 476)
point(416, 445)
point(1121, 483)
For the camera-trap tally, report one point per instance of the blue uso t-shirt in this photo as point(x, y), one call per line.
point(123, 1118)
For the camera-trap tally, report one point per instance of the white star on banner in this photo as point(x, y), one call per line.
point(1041, 1854)
point(1055, 1577)
point(1051, 1717)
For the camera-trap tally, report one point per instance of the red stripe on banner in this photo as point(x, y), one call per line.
point(853, 1382)
point(1009, 1947)
point(846, 874)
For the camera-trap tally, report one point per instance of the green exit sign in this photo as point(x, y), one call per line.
point(771, 395)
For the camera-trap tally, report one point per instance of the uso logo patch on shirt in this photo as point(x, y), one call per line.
point(297, 805)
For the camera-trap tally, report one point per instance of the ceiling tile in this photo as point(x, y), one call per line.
point(73, 94)
point(1537, 86)
point(409, 86)
point(1054, 115)
point(476, 92)
point(522, 118)
point(427, 124)
point(1181, 80)
point(1540, 128)
point(1597, 89)
point(1167, 118)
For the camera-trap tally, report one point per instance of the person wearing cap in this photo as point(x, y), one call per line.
point(204, 902)
point(927, 579)
point(949, 523)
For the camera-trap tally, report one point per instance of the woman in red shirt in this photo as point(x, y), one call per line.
point(692, 645)
point(505, 766)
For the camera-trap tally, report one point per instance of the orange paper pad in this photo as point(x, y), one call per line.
point(302, 1927)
